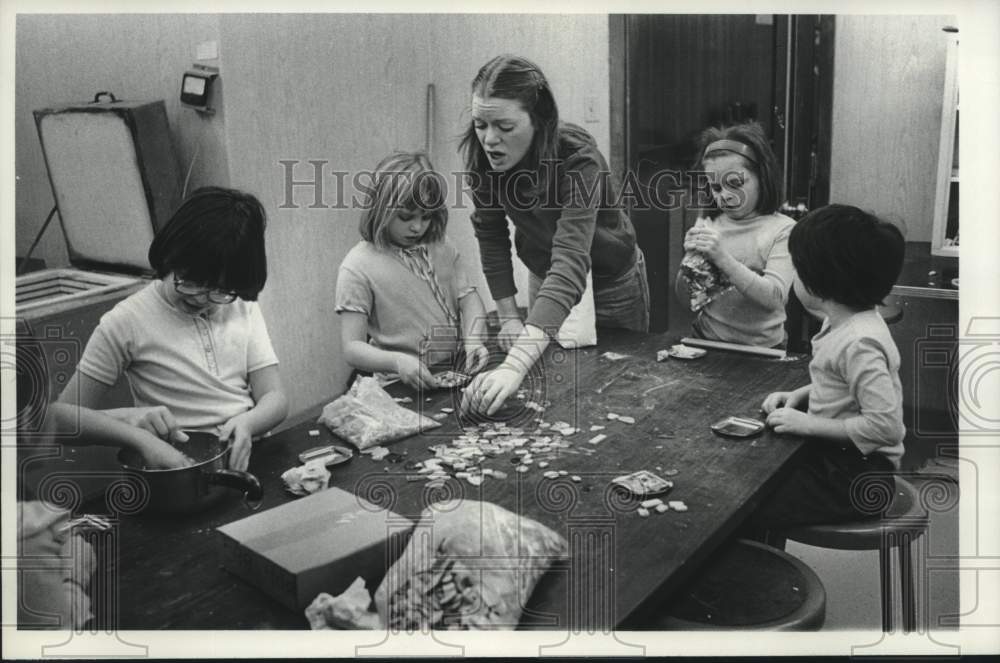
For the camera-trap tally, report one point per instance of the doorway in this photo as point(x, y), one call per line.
point(674, 75)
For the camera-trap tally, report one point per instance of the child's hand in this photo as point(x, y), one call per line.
point(158, 455)
point(413, 372)
point(789, 420)
point(693, 232)
point(509, 332)
point(238, 431)
point(476, 356)
point(778, 399)
point(159, 421)
point(704, 239)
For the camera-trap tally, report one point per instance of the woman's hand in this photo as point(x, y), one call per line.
point(509, 332)
point(158, 455)
point(488, 391)
point(413, 372)
point(476, 356)
point(238, 431)
point(157, 420)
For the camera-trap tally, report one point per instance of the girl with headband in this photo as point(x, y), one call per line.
point(742, 244)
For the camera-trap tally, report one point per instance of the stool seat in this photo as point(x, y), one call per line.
point(747, 585)
point(903, 515)
point(890, 313)
point(903, 522)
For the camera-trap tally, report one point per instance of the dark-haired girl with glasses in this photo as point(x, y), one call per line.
point(193, 343)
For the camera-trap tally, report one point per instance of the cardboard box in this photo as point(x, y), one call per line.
point(319, 543)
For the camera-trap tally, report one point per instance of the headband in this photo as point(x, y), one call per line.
point(730, 146)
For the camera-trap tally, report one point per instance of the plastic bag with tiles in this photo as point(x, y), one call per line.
point(468, 567)
point(705, 280)
point(367, 416)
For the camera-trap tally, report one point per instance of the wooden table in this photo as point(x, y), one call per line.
point(167, 570)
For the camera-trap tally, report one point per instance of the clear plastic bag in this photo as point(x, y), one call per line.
point(705, 280)
point(475, 570)
point(367, 416)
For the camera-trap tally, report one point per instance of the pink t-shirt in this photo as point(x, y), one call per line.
point(402, 309)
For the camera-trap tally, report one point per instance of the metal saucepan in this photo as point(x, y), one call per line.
point(198, 486)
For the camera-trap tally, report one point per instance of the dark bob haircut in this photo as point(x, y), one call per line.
point(846, 255)
point(215, 239)
point(520, 79)
point(760, 161)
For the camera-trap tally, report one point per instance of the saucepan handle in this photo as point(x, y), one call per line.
point(248, 483)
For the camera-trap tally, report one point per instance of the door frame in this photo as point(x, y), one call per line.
point(803, 130)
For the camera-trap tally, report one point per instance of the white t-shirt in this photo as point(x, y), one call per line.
point(196, 366)
point(855, 377)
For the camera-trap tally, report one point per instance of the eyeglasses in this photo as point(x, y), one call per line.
point(193, 290)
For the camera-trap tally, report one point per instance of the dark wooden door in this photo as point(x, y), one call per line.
point(683, 73)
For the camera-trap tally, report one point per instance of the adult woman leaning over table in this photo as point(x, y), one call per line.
point(553, 183)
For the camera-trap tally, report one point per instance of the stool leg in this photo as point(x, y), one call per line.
point(906, 584)
point(885, 578)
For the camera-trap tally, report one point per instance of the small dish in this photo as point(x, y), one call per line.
point(333, 454)
point(738, 427)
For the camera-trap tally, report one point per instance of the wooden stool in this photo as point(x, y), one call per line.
point(746, 585)
point(903, 522)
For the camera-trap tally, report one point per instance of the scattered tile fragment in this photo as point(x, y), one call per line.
point(643, 512)
point(662, 508)
point(597, 439)
point(649, 504)
point(314, 432)
point(677, 505)
point(595, 428)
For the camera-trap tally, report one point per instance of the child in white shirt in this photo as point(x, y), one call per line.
point(852, 411)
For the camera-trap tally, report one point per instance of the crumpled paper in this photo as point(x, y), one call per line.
point(346, 611)
point(53, 594)
point(307, 479)
point(367, 416)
